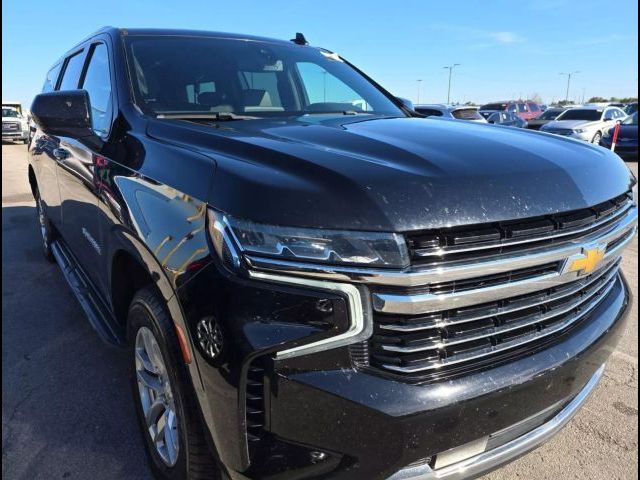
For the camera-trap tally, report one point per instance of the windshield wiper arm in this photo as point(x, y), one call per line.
point(215, 116)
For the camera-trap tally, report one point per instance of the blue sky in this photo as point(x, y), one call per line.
point(505, 48)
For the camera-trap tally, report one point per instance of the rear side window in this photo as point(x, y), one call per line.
point(72, 71)
point(97, 83)
point(51, 79)
point(534, 107)
point(429, 112)
point(467, 114)
point(494, 106)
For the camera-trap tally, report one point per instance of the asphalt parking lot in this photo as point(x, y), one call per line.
point(66, 403)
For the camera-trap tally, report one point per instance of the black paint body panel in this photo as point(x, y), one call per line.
point(142, 194)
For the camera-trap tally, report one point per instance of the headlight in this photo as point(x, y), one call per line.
point(579, 130)
point(310, 245)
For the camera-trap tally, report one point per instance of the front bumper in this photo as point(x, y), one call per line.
point(491, 459)
point(15, 135)
point(377, 428)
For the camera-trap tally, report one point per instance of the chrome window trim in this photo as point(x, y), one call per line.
point(360, 323)
point(490, 459)
point(443, 273)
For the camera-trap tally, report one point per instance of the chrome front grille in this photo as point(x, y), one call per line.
point(476, 295)
point(419, 344)
point(10, 126)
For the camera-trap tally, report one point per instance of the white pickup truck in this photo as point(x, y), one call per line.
point(15, 125)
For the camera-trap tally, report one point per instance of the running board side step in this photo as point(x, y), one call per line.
point(97, 312)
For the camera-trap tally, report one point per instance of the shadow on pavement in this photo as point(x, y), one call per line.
point(67, 410)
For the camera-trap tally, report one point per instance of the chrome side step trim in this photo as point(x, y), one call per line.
point(489, 460)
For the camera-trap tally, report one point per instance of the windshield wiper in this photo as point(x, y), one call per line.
point(338, 112)
point(200, 116)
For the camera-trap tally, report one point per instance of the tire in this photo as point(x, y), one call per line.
point(192, 459)
point(596, 138)
point(47, 233)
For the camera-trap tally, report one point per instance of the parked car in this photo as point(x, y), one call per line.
point(456, 112)
point(627, 141)
point(525, 109)
point(309, 282)
point(631, 108)
point(507, 119)
point(584, 123)
point(547, 116)
point(14, 125)
point(543, 107)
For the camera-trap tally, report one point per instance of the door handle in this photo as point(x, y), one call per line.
point(61, 153)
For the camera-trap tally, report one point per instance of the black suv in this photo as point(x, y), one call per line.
point(311, 281)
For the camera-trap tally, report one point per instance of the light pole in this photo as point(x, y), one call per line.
point(419, 88)
point(450, 68)
point(569, 75)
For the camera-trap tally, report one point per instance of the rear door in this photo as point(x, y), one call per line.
point(76, 161)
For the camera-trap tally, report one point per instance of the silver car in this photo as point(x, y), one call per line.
point(586, 123)
point(456, 112)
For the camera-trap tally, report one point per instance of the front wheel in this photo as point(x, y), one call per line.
point(165, 405)
point(596, 138)
point(46, 230)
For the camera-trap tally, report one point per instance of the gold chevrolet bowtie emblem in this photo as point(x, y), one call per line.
point(587, 261)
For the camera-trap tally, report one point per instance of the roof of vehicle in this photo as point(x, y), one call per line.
point(182, 32)
point(119, 31)
point(445, 106)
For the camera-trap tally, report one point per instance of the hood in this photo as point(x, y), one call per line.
point(394, 174)
point(571, 124)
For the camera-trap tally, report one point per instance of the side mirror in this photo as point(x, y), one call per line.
point(64, 113)
point(406, 103)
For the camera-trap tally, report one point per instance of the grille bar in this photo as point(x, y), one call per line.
point(511, 326)
point(414, 304)
point(489, 312)
point(606, 216)
point(518, 341)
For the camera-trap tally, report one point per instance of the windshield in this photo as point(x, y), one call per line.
point(581, 114)
point(631, 120)
point(10, 112)
point(550, 114)
point(204, 74)
point(467, 114)
point(494, 106)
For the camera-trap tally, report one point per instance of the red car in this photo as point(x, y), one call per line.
point(525, 109)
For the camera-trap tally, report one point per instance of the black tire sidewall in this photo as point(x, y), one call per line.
point(46, 248)
point(142, 313)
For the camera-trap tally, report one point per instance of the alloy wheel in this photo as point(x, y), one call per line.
point(156, 396)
